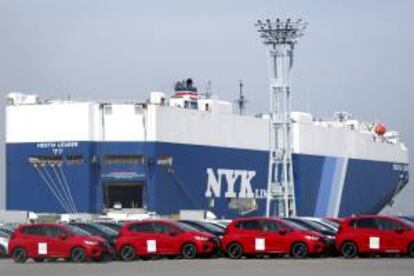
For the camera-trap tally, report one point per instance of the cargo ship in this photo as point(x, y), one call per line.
point(191, 151)
point(188, 151)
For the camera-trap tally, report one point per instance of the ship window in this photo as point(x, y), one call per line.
point(123, 159)
point(207, 107)
point(190, 104)
point(108, 109)
point(74, 159)
point(164, 160)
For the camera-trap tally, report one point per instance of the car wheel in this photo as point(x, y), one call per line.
point(19, 255)
point(188, 251)
point(78, 255)
point(349, 249)
point(235, 251)
point(128, 253)
point(3, 252)
point(299, 250)
point(410, 250)
point(39, 259)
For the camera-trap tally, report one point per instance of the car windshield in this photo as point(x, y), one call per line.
point(225, 223)
point(6, 230)
point(296, 225)
point(331, 223)
point(79, 231)
point(105, 229)
point(317, 226)
point(4, 234)
point(408, 221)
point(186, 227)
point(219, 225)
point(210, 227)
point(113, 225)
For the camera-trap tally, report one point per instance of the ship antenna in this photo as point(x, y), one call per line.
point(241, 101)
point(209, 91)
point(280, 36)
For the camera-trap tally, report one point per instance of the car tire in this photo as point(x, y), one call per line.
point(128, 253)
point(78, 255)
point(3, 252)
point(410, 250)
point(299, 250)
point(188, 251)
point(19, 255)
point(234, 250)
point(38, 259)
point(349, 250)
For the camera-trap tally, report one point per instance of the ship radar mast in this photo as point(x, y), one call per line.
point(242, 100)
point(280, 36)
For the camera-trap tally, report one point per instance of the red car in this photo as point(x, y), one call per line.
point(163, 237)
point(254, 236)
point(375, 234)
point(43, 241)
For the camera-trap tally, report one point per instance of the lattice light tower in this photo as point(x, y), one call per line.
point(281, 37)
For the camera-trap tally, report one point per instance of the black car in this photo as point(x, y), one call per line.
point(98, 230)
point(205, 227)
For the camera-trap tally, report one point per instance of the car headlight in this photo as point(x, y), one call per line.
point(312, 238)
point(330, 237)
point(91, 242)
point(200, 238)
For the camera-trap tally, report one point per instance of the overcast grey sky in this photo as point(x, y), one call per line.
point(356, 55)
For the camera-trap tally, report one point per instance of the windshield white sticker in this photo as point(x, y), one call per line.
point(42, 248)
point(374, 243)
point(151, 246)
point(260, 244)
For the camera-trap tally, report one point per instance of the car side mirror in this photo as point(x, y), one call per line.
point(282, 232)
point(172, 233)
point(399, 230)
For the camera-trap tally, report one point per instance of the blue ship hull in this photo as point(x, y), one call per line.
point(365, 188)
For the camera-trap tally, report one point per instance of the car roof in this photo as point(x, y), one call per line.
point(42, 224)
point(369, 216)
point(148, 220)
point(256, 218)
